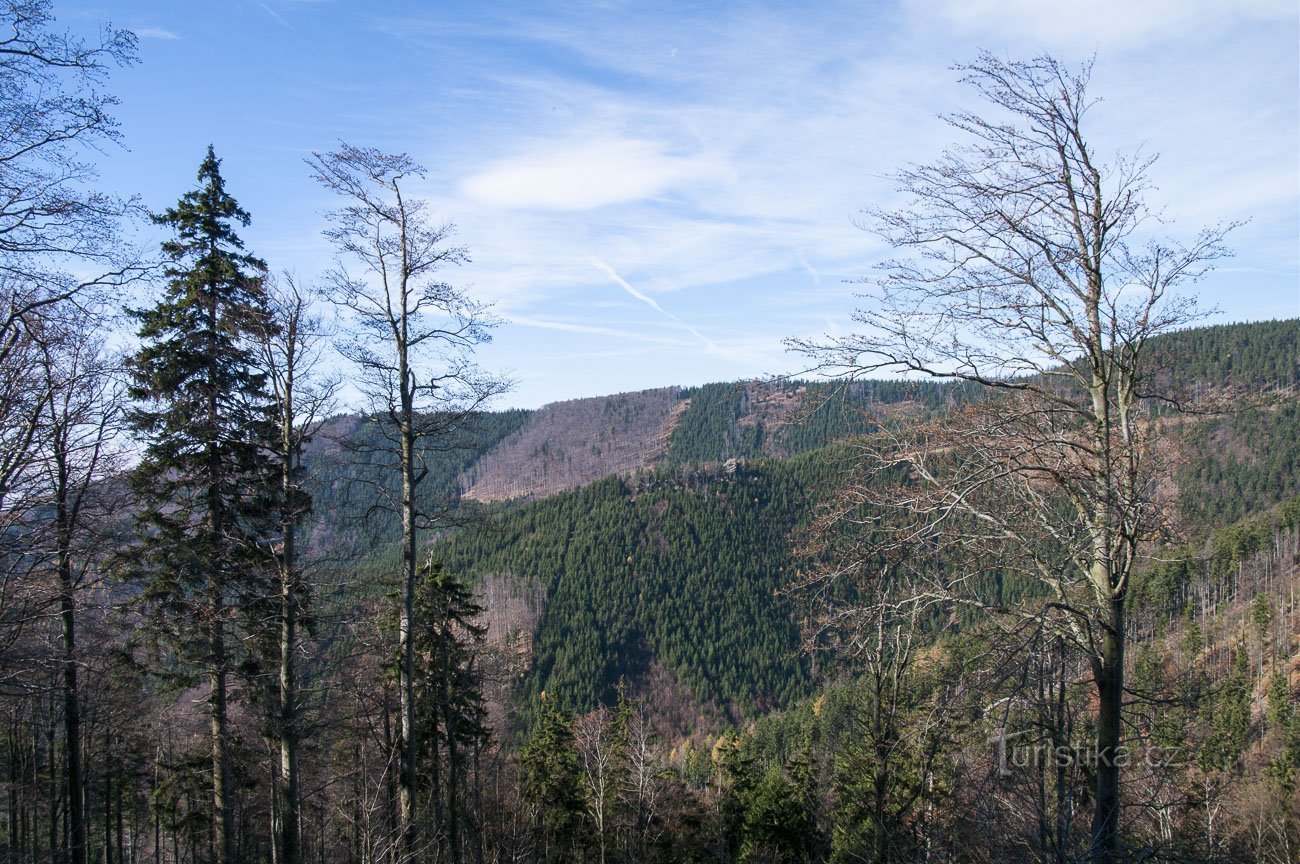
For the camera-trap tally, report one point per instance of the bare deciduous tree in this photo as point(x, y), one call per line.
point(291, 350)
point(595, 739)
point(52, 113)
point(1025, 272)
point(413, 346)
point(81, 451)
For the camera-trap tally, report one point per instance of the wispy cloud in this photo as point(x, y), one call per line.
point(809, 269)
point(619, 280)
point(154, 33)
point(712, 160)
point(588, 329)
point(583, 175)
point(276, 15)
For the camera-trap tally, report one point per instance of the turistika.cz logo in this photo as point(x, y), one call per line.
point(1014, 755)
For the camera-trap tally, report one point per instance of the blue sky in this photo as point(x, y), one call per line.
point(658, 193)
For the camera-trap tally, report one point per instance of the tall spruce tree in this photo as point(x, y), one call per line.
point(206, 480)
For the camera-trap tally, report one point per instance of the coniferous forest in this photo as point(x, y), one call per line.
point(279, 581)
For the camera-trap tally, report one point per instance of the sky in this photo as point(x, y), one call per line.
point(660, 193)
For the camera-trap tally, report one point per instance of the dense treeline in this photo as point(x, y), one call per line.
point(914, 756)
point(1214, 779)
point(783, 418)
point(1240, 462)
point(1262, 355)
point(522, 454)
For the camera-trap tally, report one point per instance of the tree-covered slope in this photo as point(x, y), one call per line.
point(675, 569)
point(1239, 462)
point(783, 418)
point(678, 569)
point(1249, 356)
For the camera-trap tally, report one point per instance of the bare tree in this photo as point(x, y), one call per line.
point(54, 422)
point(52, 113)
point(595, 739)
point(642, 793)
point(80, 453)
point(414, 339)
point(291, 349)
point(1022, 273)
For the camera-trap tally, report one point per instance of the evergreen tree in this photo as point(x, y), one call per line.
point(449, 694)
point(206, 481)
point(778, 826)
point(549, 768)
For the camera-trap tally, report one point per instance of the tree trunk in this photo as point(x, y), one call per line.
point(223, 836)
point(289, 796)
point(222, 826)
point(392, 814)
point(453, 756)
point(290, 851)
point(1108, 673)
point(71, 702)
point(406, 791)
point(108, 799)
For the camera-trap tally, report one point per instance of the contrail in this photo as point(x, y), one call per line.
point(650, 301)
point(276, 16)
point(810, 270)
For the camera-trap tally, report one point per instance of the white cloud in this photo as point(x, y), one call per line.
point(154, 33)
point(1084, 26)
point(735, 165)
point(583, 175)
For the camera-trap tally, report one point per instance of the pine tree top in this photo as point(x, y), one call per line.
point(202, 221)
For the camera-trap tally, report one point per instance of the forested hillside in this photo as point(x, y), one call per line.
point(351, 477)
point(676, 570)
point(1215, 737)
point(666, 577)
point(532, 454)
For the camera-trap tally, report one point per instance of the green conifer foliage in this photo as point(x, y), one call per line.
point(450, 709)
point(205, 482)
point(549, 769)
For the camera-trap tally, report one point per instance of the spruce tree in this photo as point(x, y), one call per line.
point(450, 713)
point(206, 481)
point(550, 783)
